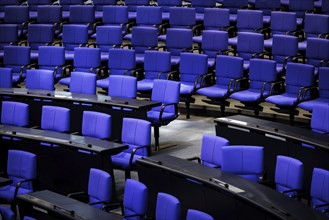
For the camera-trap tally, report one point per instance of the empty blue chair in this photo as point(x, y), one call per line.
point(320, 190)
point(192, 69)
point(132, 7)
point(50, 14)
point(116, 16)
point(193, 214)
point(18, 15)
point(229, 71)
point(320, 118)
point(166, 5)
point(99, 4)
point(289, 173)
point(33, 6)
point(122, 86)
point(54, 118)
point(66, 4)
point(83, 83)
point(7, 213)
point(267, 7)
point(6, 78)
point(15, 113)
point(323, 86)
point(301, 7)
point(83, 14)
point(5, 3)
point(317, 53)
point(167, 207)
point(40, 79)
point(245, 161)
point(262, 79)
point(8, 36)
point(166, 92)
point(136, 133)
point(200, 6)
point(234, 6)
point(96, 124)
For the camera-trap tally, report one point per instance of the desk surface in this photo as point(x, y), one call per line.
point(66, 207)
point(243, 189)
point(68, 140)
point(282, 130)
point(94, 99)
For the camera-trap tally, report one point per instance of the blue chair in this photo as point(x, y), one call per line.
point(323, 91)
point(192, 69)
point(166, 5)
point(136, 133)
point(200, 6)
point(83, 83)
point(54, 118)
point(99, 4)
point(66, 4)
point(18, 15)
point(234, 6)
point(245, 161)
point(317, 53)
point(267, 7)
point(193, 214)
point(8, 36)
point(33, 6)
point(320, 118)
point(300, 7)
point(229, 72)
point(99, 189)
point(166, 92)
point(5, 3)
point(299, 82)
point(119, 20)
point(85, 15)
point(15, 113)
point(289, 174)
point(6, 79)
point(132, 7)
point(7, 213)
point(22, 170)
point(96, 124)
point(50, 14)
point(320, 190)
point(122, 86)
point(167, 207)
point(40, 79)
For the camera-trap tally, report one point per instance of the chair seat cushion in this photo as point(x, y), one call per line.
point(233, 41)
point(215, 91)
point(121, 160)
point(197, 39)
point(7, 192)
point(16, 77)
point(175, 60)
point(145, 85)
point(211, 62)
point(283, 100)
point(65, 81)
point(250, 95)
point(186, 88)
point(154, 117)
point(69, 55)
point(103, 83)
point(308, 105)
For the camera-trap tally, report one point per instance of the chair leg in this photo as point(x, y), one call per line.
point(156, 137)
point(187, 105)
point(127, 174)
point(222, 109)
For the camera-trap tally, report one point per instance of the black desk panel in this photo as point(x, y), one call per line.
point(277, 139)
point(78, 103)
point(63, 167)
point(48, 205)
point(224, 196)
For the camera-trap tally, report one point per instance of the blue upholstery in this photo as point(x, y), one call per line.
point(84, 83)
point(7, 213)
point(132, 7)
point(52, 58)
point(40, 79)
point(108, 37)
point(15, 113)
point(135, 199)
point(200, 6)
point(66, 4)
point(317, 53)
point(121, 62)
point(17, 58)
point(99, 187)
point(96, 124)
point(245, 161)
point(116, 16)
point(39, 35)
point(156, 65)
point(320, 118)
point(289, 174)
point(136, 133)
point(8, 35)
point(234, 5)
point(55, 118)
point(50, 14)
point(323, 85)
point(5, 3)
point(83, 14)
point(301, 7)
point(21, 166)
point(33, 6)
point(167, 207)
point(166, 5)
point(211, 150)
point(193, 214)
point(99, 4)
point(122, 86)
point(17, 15)
point(320, 189)
point(267, 7)
point(6, 79)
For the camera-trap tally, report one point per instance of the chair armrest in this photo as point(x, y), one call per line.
point(133, 154)
point(239, 81)
point(173, 74)
point(64, 68)
point(322, 205)
point(163, 108)
point(23, 43)
point(19, 185)
point(196, 29)
point(60, 43)
point(204, 77)
point(303, 91)
point(108, 207)
point(129, 46)
point(75, 194)
point(271, 88)
point(198, 159)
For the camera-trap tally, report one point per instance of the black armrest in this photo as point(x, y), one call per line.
point(81, 196)
point(133, 154)
point(163, 108)
point(19, 185)
point(198, 159)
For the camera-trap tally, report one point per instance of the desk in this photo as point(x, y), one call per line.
point(78, 103)
point(277, 139)
point(224, 196)
point(65, 168)
point(50, 205)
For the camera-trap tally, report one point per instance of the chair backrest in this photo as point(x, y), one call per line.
point(211, 150)
point(122, 86)
point(144, 38)
point(33, 4)
point(249, 44)
point(82, 14)
point(193, 214)
point(51, 57)
point(178, 40)
point(192, 66)
point(7, 213)
point(66, 4)
point(216, 18)
point(234, 5)
point(245, 161)
point(16, 56)
point(182, 17)
point(86, 59)
point(261, 71)
point(320, 188)
point(301, 6)
point(267, 6)
point(167, 4)
point(15, 113)
point(108, 36)
point(49, 14)
point(298, 75)
point(316, 24)
point(227, 68)
point(99, 187)
point(136, 133)
point(323, 82)
point(16, 14)
point(156, 62)
point(100, 3)
point(214, 42)
point(74, 35)
point(6, 79)
point(55, 118)
point(289, 174)
point(167, 207)
point(21, 165)
point(249, 20)
point(84, 83)
point(40, 79)
point(201, 5)
point(40, 35)
point(96, 124)
point(133, 4)
point(284, 46)
point(121, 61)
point(317, 51)
point(148, 16)
point(8, 34)
point(115, 15)
point(325, 7)
point(282, 22)
point(135, 198)
point(320, 118)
